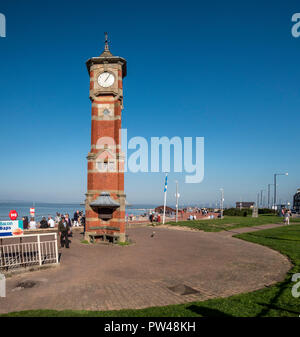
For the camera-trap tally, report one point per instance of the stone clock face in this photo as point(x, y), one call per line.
point(106, 79)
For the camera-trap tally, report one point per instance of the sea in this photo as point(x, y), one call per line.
point(46, 209)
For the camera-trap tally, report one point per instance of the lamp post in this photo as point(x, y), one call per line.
point(261, 198)
point(269, 194)
point(222, 201)
point(177, 196)
point(255, 208)
point(275, 175)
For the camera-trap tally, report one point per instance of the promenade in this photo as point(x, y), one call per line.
point(166, 267)
point(181, 217)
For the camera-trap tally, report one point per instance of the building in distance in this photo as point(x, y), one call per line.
point(244, 204)
point(296, 204)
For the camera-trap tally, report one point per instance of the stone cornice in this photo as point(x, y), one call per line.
point(107, 60)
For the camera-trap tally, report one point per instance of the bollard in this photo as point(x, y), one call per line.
point(2, 285)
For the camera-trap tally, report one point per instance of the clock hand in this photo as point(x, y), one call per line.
point(107, 78)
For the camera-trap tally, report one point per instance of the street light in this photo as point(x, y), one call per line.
point(177, 195)
point(269, 194)
point(222, 201)
point(275, 175)
point(261, 198)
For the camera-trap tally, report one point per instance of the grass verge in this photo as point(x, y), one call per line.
point(230, 222)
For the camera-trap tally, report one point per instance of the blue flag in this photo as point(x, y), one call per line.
point(166, 183)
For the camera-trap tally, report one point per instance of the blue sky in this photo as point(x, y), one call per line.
point(227, 71)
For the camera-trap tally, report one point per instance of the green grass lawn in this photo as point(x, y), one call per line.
point(274, 301)
point(230, 222)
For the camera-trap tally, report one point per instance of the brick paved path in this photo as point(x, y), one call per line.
point(105, 277)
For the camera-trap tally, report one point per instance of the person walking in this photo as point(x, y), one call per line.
point(69, 222)
point(63, 231)
point(76, 218)
point(57, 218)
point(287, 217)
point(82, 221)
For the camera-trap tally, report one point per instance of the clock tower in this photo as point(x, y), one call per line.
point(105, 198)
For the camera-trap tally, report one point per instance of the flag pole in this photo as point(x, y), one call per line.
point(165, 198)
point(177, 201)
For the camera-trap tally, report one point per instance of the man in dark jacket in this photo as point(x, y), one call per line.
point(69, 223)
point(63, 231)
point(44, 223)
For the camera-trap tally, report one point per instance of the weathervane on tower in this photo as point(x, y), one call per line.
point(106, 48)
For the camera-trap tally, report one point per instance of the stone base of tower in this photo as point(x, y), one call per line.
point(93, 237)
point(99, 230)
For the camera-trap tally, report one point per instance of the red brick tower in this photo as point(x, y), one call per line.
point(105, 198)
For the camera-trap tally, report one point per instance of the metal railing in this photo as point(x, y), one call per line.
point(34, 249)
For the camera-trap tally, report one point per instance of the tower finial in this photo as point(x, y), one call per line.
point(106, 48)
